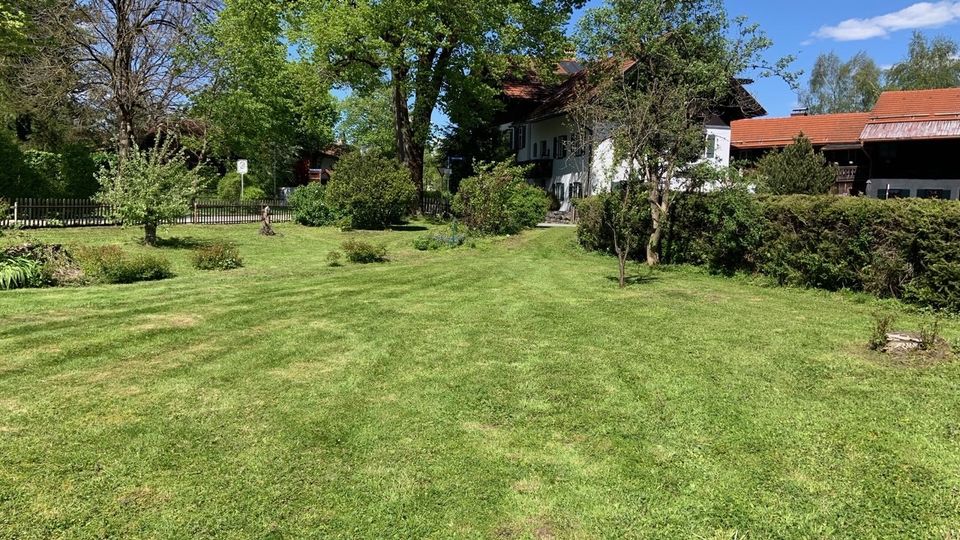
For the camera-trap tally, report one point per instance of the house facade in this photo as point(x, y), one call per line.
point(540, 132)
point(904, 147)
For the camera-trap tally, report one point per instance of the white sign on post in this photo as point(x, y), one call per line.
point(242, 170)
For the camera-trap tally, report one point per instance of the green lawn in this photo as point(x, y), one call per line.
point(505, 391)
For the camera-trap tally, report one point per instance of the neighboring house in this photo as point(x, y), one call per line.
point(316, 166)
point(905, 147)
point(537, 127)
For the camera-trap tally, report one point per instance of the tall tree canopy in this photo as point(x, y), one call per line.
point(658, 69)
point(261, 102)
point(929, 64)
point(838, 86)
point(429, 52)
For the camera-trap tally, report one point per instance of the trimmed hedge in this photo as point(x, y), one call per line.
point(903, 248)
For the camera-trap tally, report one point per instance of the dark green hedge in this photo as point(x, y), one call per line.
point(904, 248)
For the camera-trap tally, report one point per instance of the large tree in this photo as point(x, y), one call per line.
point(929, 64)
point(657, 69)
point(118, 58)
point(429, 52)
point(838, 86)
point(261, 102)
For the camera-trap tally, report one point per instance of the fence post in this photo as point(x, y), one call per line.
point(14, 213)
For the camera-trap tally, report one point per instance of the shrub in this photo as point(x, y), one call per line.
point(56, 265)
point(217, 256)
point(373, 192)
point(310, 206)
point(882, 325)
point(446, 238)
point(110, 264)
point(333, 258)
point(228, 187)
point(362, 252)
point(797, 169)
point(498, 200)
point(904, 248)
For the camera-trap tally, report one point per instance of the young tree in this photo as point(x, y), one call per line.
point(429, 51)
point(657, 69)
point(149, 187)
point(797, 169)
point(836, 86)
point(933, 64)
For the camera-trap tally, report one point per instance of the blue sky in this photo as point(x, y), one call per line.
point(807, 28)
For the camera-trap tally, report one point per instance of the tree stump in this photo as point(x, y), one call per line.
point(265, 228)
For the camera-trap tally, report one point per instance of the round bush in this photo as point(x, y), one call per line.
point(310, 206)
point(228, 188)
point(498, 200)
point(373, 192)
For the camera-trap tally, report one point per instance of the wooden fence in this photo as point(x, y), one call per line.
point(40, 213)
point(434, 205)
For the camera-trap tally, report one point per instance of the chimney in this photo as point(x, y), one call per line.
point(800, 111)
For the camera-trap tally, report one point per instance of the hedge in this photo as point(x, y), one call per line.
point(903, 248)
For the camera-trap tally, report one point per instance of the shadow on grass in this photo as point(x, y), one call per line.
point(408, 228)
point(636, 280)
point(187, 242)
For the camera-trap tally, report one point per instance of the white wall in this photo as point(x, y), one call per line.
point(601, 173)
point(877, 185)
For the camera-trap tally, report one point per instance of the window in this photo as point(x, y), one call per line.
point(576, 190)
point(508, 138)
point(943, 194)
point(884, 193)
point(711, 151)
point(535, 148)
point(561, 151)
point(521, 137)
point(558, 191)
point(543, 149)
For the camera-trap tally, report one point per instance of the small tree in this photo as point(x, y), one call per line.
point(149, 187)
point(798, 169)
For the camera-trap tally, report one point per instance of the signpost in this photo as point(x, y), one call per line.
point(242, 170)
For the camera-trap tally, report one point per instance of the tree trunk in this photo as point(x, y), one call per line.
point(622, 261)
point(415, 163)
point(658, 213)
point(150, 234)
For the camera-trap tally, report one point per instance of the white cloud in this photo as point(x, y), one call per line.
point(920, 15)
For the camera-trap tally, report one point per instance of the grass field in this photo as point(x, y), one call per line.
point(510, 390)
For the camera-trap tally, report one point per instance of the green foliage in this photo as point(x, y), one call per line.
point(228, 188)
point(836, 86)
point(217, 255)
point(362, 252)
point(721, 230)
point(110, 264)
point(149, 187)
point(796, 170)
point(904, 248)
point(310, 206)
point(498, 200)
point(333, 258)
point(20, 272)
point(262, 103)
point(929, 64)
point(602, 214)
point(372, 191)
point(882, 325)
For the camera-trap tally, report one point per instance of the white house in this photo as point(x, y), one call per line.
point(538, 128)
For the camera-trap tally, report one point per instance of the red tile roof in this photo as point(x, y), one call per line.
point(941, 104)
point(821, 129)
